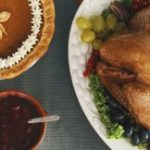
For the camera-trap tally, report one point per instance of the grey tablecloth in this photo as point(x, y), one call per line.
point(49, 81)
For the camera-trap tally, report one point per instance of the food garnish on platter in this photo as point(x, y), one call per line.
point(118, 68)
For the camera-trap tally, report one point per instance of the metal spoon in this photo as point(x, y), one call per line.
point(44, 119)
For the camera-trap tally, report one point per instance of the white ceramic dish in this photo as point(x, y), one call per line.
point(78, 55)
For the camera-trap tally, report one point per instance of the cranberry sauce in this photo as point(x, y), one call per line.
point(15, 132)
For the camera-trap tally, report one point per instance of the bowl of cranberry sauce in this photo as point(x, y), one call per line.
point(16, 108)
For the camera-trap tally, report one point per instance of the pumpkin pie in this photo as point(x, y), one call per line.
point(26, 29)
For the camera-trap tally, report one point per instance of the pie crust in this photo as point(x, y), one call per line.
point(41, 46)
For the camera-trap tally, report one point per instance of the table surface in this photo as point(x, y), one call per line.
point(49, 81)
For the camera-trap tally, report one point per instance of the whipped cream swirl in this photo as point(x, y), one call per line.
point(29, 43)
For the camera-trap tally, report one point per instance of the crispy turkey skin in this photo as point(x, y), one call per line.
point(124, 68)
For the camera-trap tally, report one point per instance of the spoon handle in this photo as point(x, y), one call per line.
point(44, 119)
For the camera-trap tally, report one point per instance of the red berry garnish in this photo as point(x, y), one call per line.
point(91, 64)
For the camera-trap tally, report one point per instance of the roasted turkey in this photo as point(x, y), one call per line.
point(124, 68)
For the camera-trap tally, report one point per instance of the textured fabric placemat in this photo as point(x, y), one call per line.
point(49, 81)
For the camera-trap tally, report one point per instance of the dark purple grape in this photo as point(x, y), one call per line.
point(112, 103)
point(129, 131)
point(131, 121)
point(144, 135)
point(136, 127)
point(117, 117)
point(135, 139)
point(123, 110)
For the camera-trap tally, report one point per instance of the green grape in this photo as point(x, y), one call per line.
point(103, 35)
point(98, 23)
point(97, 44)
point(120, 26)
point(111, 22)
point(106, 12)
point(88, 36)
point(83, 23)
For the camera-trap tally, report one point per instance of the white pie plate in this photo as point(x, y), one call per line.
point(78, 55)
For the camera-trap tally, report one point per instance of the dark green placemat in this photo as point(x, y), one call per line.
point(49, 81)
